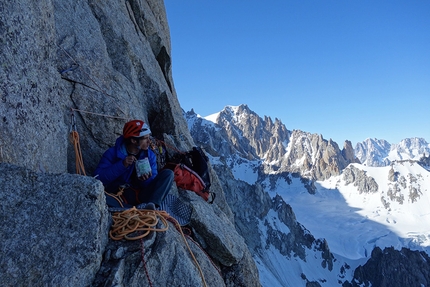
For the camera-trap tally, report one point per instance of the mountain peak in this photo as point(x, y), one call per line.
point(255, 138)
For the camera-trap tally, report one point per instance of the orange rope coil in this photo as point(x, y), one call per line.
point(134, 224)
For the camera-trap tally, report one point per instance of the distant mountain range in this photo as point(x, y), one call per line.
point(317, 215)
point(370, 152)
point(374, 152)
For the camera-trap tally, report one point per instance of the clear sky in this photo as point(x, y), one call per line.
point(346, 69)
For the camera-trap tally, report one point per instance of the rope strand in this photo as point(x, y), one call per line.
point(142, 248)
point(98, 114)
point(178, 227)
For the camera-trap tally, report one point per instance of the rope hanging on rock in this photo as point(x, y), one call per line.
point(74, 137)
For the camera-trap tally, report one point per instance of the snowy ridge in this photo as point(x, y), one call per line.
point(245, 170)
point(196, 119)
point(212, 118)
point(411, 148)
point(231, 112)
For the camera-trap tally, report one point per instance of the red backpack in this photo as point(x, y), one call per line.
point(192, 173)
point(188, 179)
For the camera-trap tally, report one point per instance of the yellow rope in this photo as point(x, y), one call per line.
point(178, 227)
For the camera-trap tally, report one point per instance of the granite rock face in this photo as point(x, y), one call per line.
point(102, 62)
point(54, 228)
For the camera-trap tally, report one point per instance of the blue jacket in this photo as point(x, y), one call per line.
point(112, 173)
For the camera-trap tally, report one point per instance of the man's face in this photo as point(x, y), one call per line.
point(144, 142)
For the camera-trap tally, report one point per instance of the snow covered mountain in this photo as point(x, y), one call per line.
point(374, 152)
point(309, 212)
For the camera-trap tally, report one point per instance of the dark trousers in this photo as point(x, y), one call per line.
point(158, 188)
point(155, 192)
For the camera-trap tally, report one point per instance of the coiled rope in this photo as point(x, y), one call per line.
point(134, 224)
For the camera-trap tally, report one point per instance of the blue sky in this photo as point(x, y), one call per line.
point(346, 69)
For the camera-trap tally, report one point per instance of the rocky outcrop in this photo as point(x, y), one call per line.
point(425, 161)
point(54, 228)
point(373, 152)
point(264, 138)
point(393, 268)
point(163, 258)
point(348, 153)
point(358, 178)
point(66, 240)
point(313, 157)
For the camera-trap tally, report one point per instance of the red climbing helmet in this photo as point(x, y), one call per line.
point(135, 128)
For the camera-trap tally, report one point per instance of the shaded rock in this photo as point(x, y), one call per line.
point(216, 233)
point(108, 62)
point(393, 268)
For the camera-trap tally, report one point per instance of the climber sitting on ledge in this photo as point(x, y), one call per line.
point(129, 173)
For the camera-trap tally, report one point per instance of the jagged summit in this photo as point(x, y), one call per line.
point(239, 129)
point(235, 113)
